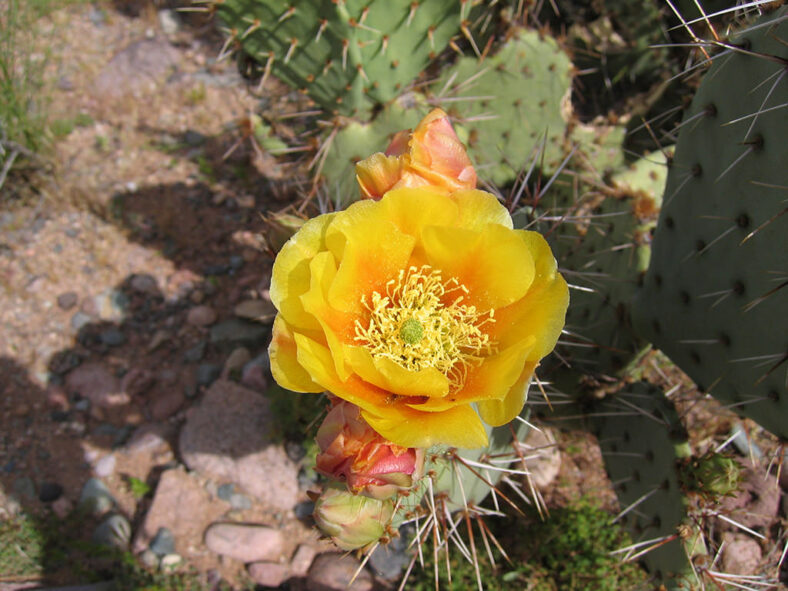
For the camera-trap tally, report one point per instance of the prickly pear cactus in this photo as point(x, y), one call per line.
point(347, 55)
point(642, 440)
point(461, 479)
point(356, 141)
point(601, 240)
point(714, 299)
point(506, 106)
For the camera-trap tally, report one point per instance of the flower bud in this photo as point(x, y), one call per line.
point(430, 155)
point(352, 452)
point(351, 521)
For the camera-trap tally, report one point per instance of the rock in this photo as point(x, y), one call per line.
point(302, 560)
point(170, 562)
point(105, 466)
point(333, 571)
point(112, 337)
point(253, 374)
point(160, 337)
point(67, 300)
point(268, 574)
point(79, 320)
point(757, 501)
point(235, 362)
point(185, 508)
point(389, 560)
point(227, 438)
point(151, 438)
point(207, 373)
point(95, 382)
point(201, 316)
point(144, 283)
point(137, 382)
point(236, 333)
point(741, 555)
point(149, 559)
point(139, 68)
point(96, 498)
point(259, 310)
point(195, 353)
point(114, 531)
point(163, 542)
point(245, 542)
point(62, 507)
point(110, 305)
point(169, 21)
point(49, 492)
point(542, 457)
point(167, 403)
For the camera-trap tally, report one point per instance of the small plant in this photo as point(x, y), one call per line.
point(139, 488)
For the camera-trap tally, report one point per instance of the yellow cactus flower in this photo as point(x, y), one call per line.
point(425, 308)
point(431, 155)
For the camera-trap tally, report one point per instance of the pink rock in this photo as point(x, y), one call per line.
point(227, 438)
point(184, 507)
point(245, 542)
point(254, 377)
point(741, 555)
point(334, 571)
point(137, 382)
point(302, 560)
point(268, 574)
point(167, 402)
point(201, 316)
point(57, 397)
point(96, 383)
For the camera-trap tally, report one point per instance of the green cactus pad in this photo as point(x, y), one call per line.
point(714, 297)
point(601, 241)
point(347, 55)
point(505, 106)
point(641, 440)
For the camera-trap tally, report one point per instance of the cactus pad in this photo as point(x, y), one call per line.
point(347, 55)
point(714, 297)
point(508, 104)
point(641, 440)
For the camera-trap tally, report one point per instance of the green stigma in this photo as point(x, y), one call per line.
point(411, 331)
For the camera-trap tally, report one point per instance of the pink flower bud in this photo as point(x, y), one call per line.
point(430, 155)
point(352, 452)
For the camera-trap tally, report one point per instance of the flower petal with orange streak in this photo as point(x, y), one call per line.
point(494, 264)
point(373, 251)
point(476, 210)
point(378, 174)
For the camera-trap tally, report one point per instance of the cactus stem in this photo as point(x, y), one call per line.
point(633, 505)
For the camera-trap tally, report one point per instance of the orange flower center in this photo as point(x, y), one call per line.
point(420, 321)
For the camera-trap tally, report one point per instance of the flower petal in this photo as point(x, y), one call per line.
point(388, 375)
point(500, 412)
point(479, 208)
point(290, 275)
point(377, 174)
point(541, 313)
point(457, 427)
point(371, 249)
point(285, 368)
point(316, 360)
point(493, 379)
point(494, 264)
